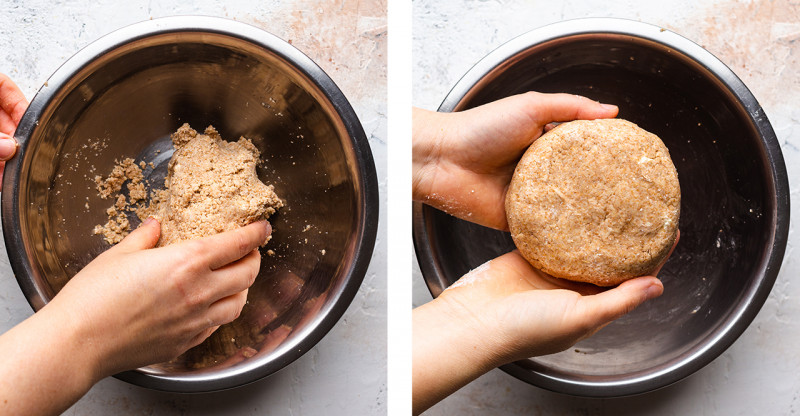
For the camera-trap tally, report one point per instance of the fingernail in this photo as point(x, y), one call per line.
point(609, 107)
point(654, 291)
point(8, 146)
point(268, 226)
point(149, 221)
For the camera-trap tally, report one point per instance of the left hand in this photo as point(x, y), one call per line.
point(12, 107)
point(463, 161)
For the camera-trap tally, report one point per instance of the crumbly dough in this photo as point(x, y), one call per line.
point(211, 187)
point(595, 201)
point(117, 226)
point(126, 170)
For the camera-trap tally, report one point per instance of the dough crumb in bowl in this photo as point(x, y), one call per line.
point(596, 201)
point(211, 187)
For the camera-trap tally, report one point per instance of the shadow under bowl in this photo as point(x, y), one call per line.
point(734, 209)
point(122, 96)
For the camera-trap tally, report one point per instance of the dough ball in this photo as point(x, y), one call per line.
point(595, 201)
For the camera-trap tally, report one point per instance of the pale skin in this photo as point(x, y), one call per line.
point(132, 306)
point(12, 107)
point(504, 310)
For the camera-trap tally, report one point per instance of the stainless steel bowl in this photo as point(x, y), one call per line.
point(128, 91)
point(735, 205)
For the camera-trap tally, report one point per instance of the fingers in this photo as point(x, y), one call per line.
point(230, 246)
point(597, 310)
point(221, 312)
point(8, 147)
point(583, 288)
point(537, 279)
point(227, 309)
point(237, 276)
point(548, 108)
point(199, 338)
point(142, 238)
point(12, 101)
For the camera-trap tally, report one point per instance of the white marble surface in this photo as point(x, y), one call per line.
point(346, 372)
point(760, 41)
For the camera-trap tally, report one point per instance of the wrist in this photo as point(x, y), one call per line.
point(465, 325)
point(46, 366)
point(81, 354)
point(448, 351)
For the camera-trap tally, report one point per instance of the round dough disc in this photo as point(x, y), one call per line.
point(595, 201)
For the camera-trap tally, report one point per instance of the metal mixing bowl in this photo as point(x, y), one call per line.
point(735, 200)
point(121, 97)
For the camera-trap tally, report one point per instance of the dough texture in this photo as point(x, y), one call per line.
point(117, 226)
point(595, 201)
point(211, 187)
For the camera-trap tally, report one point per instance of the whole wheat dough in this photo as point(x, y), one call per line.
point(595, 201)
point(211, 187)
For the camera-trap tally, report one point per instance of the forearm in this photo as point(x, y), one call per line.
point(46, 367)
point(446, 354)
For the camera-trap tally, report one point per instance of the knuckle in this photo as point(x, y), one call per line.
point(236, 313)
point(194, 250)
point(233, 311)
point(253, 276)
point(190, 296)
point(532, 95)
point(196, 300)
point(190, 258)
point(242, 300)
point(178, 285)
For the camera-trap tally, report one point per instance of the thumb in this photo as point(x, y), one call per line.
point(142, 238)
point(8, 147)
point(602, 308)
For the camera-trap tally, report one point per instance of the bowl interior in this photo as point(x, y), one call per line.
point(127, 102)
point(728, 201)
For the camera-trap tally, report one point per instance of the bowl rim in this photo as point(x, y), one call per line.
point(735, 324)
point(258, 367)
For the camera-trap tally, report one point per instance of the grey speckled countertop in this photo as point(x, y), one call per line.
point(760, 41)
point(346, 372)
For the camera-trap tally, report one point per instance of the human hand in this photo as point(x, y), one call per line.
point(523, 312)
point(138, 305)
point(131, 306)
point(504, 311)
point(463, 161)
point(12, 107)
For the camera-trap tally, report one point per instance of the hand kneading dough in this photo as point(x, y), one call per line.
point(211, 187)
point(595, 201)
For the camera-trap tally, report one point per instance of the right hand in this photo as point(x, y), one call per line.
point(506, 310)
point(137, 305)
point(523, 312)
